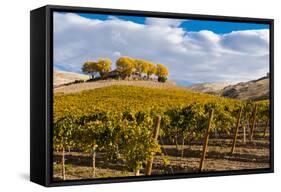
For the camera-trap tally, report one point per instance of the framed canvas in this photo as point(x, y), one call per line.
point(125, 95)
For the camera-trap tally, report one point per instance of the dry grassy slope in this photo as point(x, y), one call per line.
point(73, 88)
point(212, 88)
point(63, 77)
point(251, 90)
point(254, 90)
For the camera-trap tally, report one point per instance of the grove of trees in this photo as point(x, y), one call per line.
point(126, 67)
point(101, 67)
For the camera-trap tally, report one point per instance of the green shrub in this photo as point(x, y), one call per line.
point(162, 79)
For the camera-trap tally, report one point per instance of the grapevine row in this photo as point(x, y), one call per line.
point(127, 134)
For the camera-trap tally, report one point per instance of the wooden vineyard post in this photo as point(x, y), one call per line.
point(244, 134)
point(137, 172)
point(154, 137)
point(94, 162)
point(265, 127)
point(236, 131)
point(63, 164)
point(206, 139)
point(182, 148)
point(253, 123)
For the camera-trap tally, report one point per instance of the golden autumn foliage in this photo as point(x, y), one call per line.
point(151, 69)
point(90, 67)
point(126, 66)
point(141, 66)
point(161, 70)
point(119, 120)
point(101, 66)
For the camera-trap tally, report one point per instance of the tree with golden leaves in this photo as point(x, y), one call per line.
point(150, 69)
point(103, 66)
point(140, 66)
point(90, 68)
point(162, 72)
point(126, 66)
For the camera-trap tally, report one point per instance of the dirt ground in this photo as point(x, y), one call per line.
point(249, 155)
point(246, 156)
point(73, 88)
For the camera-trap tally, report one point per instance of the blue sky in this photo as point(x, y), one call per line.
point(219, 27)
point(194, 51)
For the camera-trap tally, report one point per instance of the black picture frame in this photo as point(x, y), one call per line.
point(41, 94)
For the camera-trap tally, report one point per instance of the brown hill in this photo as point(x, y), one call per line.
point(63, 77)
point(211, 88)
point(251, 90)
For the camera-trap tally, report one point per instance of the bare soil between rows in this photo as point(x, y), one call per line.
point(249, 155)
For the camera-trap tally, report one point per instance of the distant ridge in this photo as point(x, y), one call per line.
point(257, 89)
point(64, 77)
point(252, 90)
point(210, 88)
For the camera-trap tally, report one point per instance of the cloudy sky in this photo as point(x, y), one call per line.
point(194, 51)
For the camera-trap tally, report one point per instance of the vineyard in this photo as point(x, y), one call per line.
point(124, 130)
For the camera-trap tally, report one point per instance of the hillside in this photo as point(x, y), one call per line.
point(63, 77)
point(121, 97)
point(210, 88)
point(251, 90)
point(73, 88)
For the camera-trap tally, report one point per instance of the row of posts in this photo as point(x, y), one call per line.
point(207, 134)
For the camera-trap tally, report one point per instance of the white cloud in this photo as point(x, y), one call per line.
point(192, 56)
point(249, 41)
point(163, 21)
